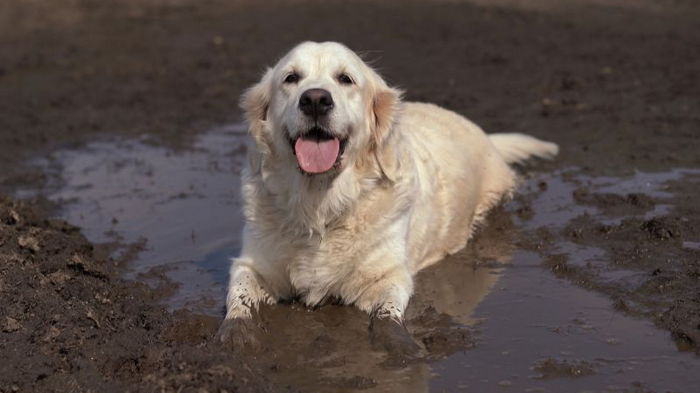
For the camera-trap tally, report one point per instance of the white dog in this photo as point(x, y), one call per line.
point(349, 191)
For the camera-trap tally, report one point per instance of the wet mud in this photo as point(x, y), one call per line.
point(68, 323)
point(120, 158)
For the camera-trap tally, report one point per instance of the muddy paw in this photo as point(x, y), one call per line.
point(240, 334)
point(392, 337)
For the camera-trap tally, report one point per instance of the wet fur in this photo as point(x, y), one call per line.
point(412, 184)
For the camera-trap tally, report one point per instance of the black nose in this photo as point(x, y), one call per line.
point(316, 102)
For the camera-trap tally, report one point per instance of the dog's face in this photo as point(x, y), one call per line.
point(321, 109)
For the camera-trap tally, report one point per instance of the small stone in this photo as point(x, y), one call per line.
point(14, 217)
point(86, 266)
point(59, 277)
point(29, 242)
point(102, 299)
point(91, 315)
point(10, 325)
point(51, 334)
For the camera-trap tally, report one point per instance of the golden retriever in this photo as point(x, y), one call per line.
point(350, 191)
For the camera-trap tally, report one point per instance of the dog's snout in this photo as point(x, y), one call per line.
point(316, 102)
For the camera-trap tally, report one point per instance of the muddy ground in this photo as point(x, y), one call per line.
point(614, 83)
point(69, 324)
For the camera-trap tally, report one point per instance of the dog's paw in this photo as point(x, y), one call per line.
point(240, 334)
point(391, 336)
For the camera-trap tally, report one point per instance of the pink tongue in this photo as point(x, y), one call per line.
point(316, 156)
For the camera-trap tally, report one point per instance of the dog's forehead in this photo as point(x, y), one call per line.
point(320, 57)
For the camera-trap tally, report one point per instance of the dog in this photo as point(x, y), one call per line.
point(349, 191)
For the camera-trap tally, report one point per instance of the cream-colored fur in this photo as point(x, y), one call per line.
point(412, 184)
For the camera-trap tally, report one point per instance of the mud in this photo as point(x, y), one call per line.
point(69, 324)
point(553, 368)
point(121, 119)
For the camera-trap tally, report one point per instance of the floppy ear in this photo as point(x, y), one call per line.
point(385, 106)
point(255, 103)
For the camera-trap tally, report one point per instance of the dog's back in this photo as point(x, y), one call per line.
point(458, 174)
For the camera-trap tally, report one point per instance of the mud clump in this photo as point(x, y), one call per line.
point(10, 325)
point(440, 335)
point(614, 204)
point(666, 284)
point(662, 228)
point(357, 382)
point(69, 324)
point(556, 368)
point(683, 321)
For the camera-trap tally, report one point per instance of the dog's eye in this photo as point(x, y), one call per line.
point(292, 78)
point(345, 79)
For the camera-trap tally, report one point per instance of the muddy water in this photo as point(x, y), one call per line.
point(491, 317)
point(180, 210)
point(545, 334)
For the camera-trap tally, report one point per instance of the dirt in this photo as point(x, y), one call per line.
point(70, 324)
point(615, 85)
point(553, 368)
point(670, 291)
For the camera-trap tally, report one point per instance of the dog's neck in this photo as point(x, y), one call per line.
point(316, 202)
point(312, 205)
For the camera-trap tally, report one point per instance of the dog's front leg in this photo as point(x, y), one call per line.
point(386, 300)
point(245, 294)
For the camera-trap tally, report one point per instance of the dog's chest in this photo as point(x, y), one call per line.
point(320, 265)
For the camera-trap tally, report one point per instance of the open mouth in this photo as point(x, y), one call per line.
point(318, 151)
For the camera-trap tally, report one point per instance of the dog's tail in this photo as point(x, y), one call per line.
point(515, 148)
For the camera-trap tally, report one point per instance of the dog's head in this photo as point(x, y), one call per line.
point(321, 109)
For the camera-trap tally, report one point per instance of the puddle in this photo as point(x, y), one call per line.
point(692, 245)
point(532, 331)
point(533, 316)
point(183, 206)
